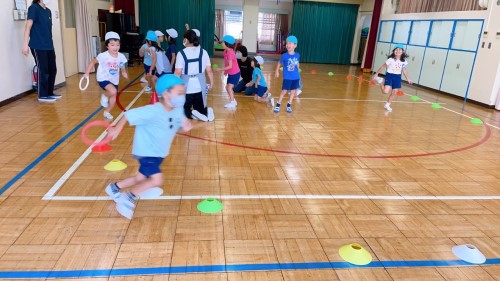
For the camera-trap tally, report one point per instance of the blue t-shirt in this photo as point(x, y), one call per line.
point(290, 66)
point(155, 129)
point(257, 71)
point(148, 58)
point(41, 30)
point(172, 49)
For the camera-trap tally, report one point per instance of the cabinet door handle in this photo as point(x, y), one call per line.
point(413, 58)
point(458, 66)
point(433, 61)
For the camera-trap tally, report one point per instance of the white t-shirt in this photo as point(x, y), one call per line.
point(395, 66)
point(109, 67)
point(193, 69)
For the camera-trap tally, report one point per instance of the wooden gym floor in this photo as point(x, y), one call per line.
point(407, 186)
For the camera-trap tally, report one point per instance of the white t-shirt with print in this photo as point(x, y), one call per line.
point(109, 67)
point(395, 66)
point(192, 53)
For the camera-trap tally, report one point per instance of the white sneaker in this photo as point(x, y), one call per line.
point(112, 191)
point(388, 107)
point(143, 80)
point(125, 206)
point(299, 91)
point(379, 80)
point(196, 114)
point(107, 115)
point(271, 102)
point(104, 101)
point(235, 103)
point(148, 89)
point(232, 104)
point(268, 95)
point(211, 115)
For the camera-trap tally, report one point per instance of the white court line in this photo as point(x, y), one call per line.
point(235, 197)
point(464, 115)
point(84, 156)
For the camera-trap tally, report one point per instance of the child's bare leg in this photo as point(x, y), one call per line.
point(229, 89)
point(392, 96)
point(292, 95)
point(111, 93)
point(282, 94)
point(131, 181)
point(152, 181)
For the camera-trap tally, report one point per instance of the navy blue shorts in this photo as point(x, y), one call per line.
point(103, 84)
point(290, 85)
point(233, 79)
point(260, 91)
point(149, 165)
point(147, 68)
point(160, 74)
point(393, 80)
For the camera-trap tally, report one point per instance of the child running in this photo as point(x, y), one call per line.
point(231, 68)
point(110, 63)
point(291, 77)
point(149, 53)
point(156, 126)
point(396, 63)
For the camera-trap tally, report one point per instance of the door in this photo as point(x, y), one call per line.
point(467, 34)
point(419, 32)
point(441, 32)
point(381, 54)
point(457, 72)
point(415, 60)
point(433, 67)
point(68, 26)
point(401, 32)
point(386, 28)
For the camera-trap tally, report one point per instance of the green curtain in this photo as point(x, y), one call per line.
point(325, 31)
point(164, 14)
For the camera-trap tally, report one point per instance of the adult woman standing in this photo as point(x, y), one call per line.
point(191, 64)
point(38, 38)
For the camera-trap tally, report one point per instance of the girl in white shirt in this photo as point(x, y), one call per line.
point(396, 64)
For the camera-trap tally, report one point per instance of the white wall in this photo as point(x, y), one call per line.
point(250, 23)
point(94, 5)
point(485, 82)
point(15, 75)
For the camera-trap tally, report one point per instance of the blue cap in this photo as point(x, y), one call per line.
point(399, 46)
point(151, 36)
point(229, 39)
point(166, 82)
point(292, 39)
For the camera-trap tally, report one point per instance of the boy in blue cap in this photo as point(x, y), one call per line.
point(156, 126)
point(291, 77)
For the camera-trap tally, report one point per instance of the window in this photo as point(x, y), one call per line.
point(267, 27)
point(234, 23)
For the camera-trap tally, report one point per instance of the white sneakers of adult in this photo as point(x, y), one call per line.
point(104, 100)
point(198, 116)
point(232, 104)
point(210, 113)
point(387, 107)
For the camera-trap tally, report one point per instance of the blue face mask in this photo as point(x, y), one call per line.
point(176, 101)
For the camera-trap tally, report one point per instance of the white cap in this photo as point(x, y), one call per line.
point(159, 33)
point(111, 35)
point(172, 33)
point(197, 32)
point(260, 60)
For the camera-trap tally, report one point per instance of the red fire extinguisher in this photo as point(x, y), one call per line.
point(34, 78)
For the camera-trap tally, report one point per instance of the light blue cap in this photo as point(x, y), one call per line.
point(399, 46)
point(166, 82)
point(229, 39)
point(292, 39)
point(151, 36)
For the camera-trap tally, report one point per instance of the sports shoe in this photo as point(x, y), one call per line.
point(277, 108)
point(143, 80)
point(148, 89)
point(196, 114)
point(288, 108)
point(232, 104)
point(55, 96)
point(210, 114)
point(104, 100)
point(46, 99)
point(271, 102)
point(107, 115)
point(387, 107)
point(299, 91)
point(267, 96)
point(113, 191)
point(125, 204)
point(378, 80)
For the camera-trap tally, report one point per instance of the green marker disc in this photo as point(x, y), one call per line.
point(210, 206)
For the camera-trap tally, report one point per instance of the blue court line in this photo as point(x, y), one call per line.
point(236, 268)
point(39, 159)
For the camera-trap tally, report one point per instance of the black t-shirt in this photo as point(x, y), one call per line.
point(41, 30)
point(246, 70)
